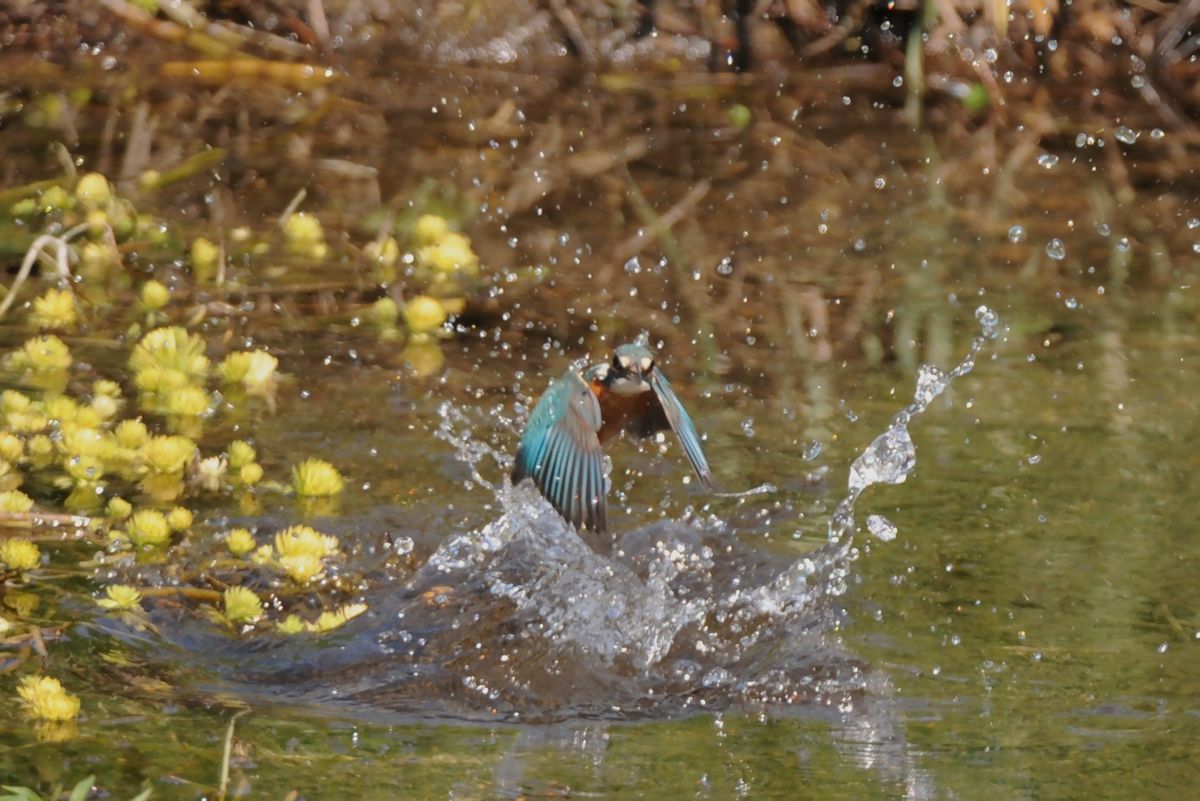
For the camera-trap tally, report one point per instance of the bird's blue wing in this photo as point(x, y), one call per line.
point(681, 424)
point(560, 451)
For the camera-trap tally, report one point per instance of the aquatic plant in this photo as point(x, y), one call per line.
point(19, 553)
point(240, 541)
point(120, 597)
point(54, 310)
point(45, 698)
point(241, 605)
point(315, 478)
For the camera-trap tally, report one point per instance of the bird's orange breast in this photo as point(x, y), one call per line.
point(616, 411)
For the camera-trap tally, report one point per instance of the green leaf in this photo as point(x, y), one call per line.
point(80, 793)
point(19, 794)
point(143, 795)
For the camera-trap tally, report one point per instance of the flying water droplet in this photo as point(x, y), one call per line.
point(887, 460)
point(813, 450)
point(931, 382)
point(1056, 250)
point(725, 267)
point(1047, 161)
point(881, 527)
point(633, 266)
point(989, 321)
point(1016, 234)
point(1126, 135)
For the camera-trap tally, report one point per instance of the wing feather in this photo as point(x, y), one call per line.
point(560, 451)
point(681, 424)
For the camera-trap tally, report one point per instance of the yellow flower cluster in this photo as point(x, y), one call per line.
point(120, 597)
point(240, 541)
point(19, 553)
point(242, 605)
point(45, 698)
point(304, 236)
point(44, 354)
point(54, 310)
point(301, 551)
point(170, 369)
point(316, 478)
point(206, 258)
point(253, 370)
point(328, 621)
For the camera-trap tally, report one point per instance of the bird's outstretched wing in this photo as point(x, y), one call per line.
point(681, 424)
point(560, 451)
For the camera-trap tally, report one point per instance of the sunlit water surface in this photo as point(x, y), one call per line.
point(1017, 619)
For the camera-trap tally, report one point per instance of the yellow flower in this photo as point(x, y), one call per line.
point(450, 255)
point(240, 541)
point(120, 596)
point(153, 296)
point(168, 455)
point(119, 508)
point(84, 469)
point(15, 502)
point(262, 556)
point(242, 605)
point(385, 312)
point(148, 527)
point(384, 253)
point(241, 453)
point(108, 388)
point(13, 401)
point(171, 349)
point(46, 698)
point(254, 370)
point(424, 315)
point(93, 190)
point(430, 228)
point(179, 518)
point(303, 540)
point(305, 236)
point(291, 624)
point(20, 554)
point(43, 354)
point(131, 433)
point(54, 310)
point(302, 568)
point(205, 258)
point(12, 448)
point(41, 450)
point(189, 401)
point(250, 474)
point(332, 620)
point(315, 478)
point(105, 406)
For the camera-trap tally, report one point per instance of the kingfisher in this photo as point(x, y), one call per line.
point(583, 410)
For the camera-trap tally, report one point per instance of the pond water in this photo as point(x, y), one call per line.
point(1029, 632)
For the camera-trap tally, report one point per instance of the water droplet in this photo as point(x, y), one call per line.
point(1126, 135)
point(1081, 140)
point(633, 266)
point(1193, 223)
point(887, 460)
point(1162, 648)
point(989, 321)
point(1034, 459)
point(931, 382)
point(725, 266)
point(880, 182)
point(1071, 303)
point(748, 426)
point(1016, 234)
point(898, 81)
point(881, 527)
point(1047, 161)
point(1196, 247)
point(1157, 134)
point(1123, 244)
point(1103, 229)
point(813, 450)
point(1056, 250)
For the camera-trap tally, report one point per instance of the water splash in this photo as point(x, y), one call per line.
point(889, 459)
